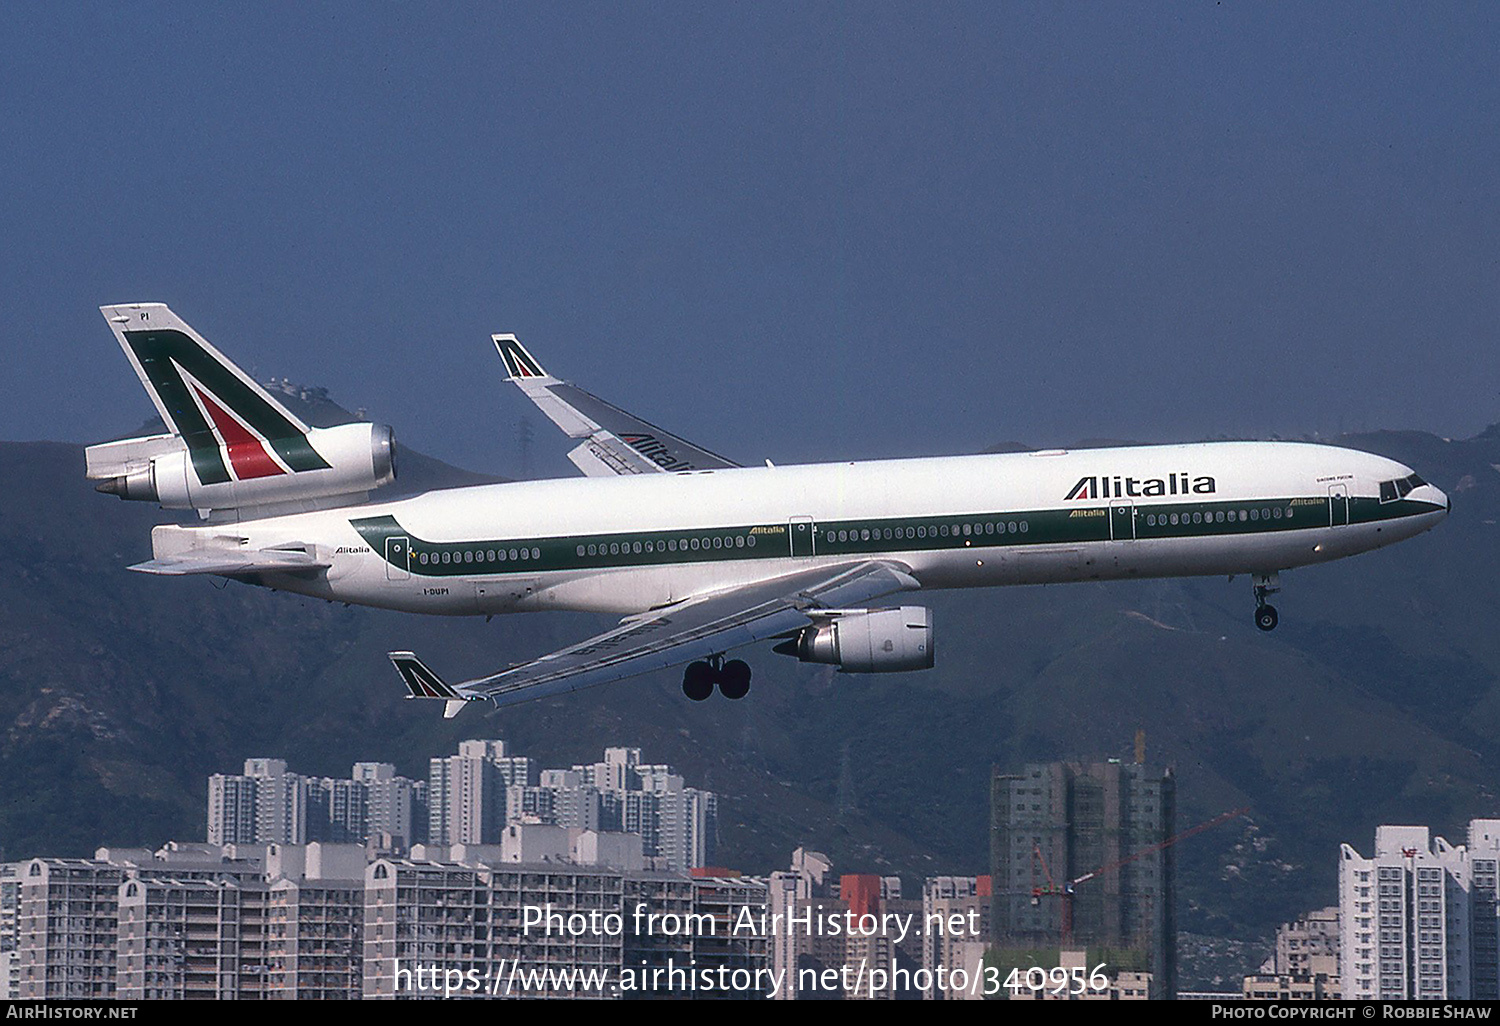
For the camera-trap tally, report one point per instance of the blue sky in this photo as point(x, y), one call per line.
point(788, 231)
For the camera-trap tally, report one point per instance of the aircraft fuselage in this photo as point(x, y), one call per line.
point(628, 544)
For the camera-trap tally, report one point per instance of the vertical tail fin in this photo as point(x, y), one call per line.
point(232, 428)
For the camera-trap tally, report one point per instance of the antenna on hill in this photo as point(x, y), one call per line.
point(523, 446)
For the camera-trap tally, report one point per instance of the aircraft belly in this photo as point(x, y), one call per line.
point(631, 590)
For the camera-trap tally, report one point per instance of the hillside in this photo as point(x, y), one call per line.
point(1376, 701)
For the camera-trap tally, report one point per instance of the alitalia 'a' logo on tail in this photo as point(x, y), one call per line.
point(231, 430)
point(420, 681)
point(518, 362)
point(1107, 487)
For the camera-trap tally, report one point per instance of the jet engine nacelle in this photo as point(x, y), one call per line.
point(868, 641)
point(358, 458)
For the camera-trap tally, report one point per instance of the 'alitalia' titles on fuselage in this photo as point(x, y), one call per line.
point(1106, 487)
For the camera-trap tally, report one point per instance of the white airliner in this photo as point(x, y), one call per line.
point(699, 555)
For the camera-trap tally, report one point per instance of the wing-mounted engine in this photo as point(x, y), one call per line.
point(229, 444)
point(353, 458)
point(867, 640)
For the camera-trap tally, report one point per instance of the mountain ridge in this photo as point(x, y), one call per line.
point(1378, 699)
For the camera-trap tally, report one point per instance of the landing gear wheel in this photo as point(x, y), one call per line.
point(1266, 584)
point(734, 679)
point(698, 681)
point(1265, 618)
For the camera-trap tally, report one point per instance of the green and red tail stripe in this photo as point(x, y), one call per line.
point(232, 428)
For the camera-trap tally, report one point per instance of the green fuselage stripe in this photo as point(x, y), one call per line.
point(870, 536)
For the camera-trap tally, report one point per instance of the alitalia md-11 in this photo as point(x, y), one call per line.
point(699, 555)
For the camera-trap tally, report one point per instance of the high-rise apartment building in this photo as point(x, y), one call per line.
point(267, 804)
point(1418, 916)
point(466, 793)
point(192, 921)
point(678, 824)
point(1306, 963)
point(470, 918)
point(1055, 822)
point(955, 932)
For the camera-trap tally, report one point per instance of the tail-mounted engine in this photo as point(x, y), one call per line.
point(867, 640)
point(346, 460)
point(229, 443)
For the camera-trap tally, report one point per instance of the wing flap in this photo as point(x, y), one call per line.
point(693, 629)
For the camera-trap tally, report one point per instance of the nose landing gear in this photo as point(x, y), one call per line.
point(733, 678)
point(1265, 613)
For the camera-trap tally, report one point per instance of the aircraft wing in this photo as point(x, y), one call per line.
point(614, 441)
point(692, 629)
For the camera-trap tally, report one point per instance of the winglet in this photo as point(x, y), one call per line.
point(423, 683)
point(518, 362)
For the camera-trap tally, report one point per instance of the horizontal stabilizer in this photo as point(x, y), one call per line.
point(230, 564)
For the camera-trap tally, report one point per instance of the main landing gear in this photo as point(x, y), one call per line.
point(733, 678)
point(1265, 613)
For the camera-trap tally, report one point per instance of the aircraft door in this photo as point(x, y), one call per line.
point(1122, 521)
point(397, 558)
point(1338, 505)
point(802, 536)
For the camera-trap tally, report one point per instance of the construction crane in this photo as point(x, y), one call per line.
point(1052, 889)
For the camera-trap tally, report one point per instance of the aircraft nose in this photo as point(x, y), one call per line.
point(1434, 494)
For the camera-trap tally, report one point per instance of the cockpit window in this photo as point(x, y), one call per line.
point(1400, 488)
